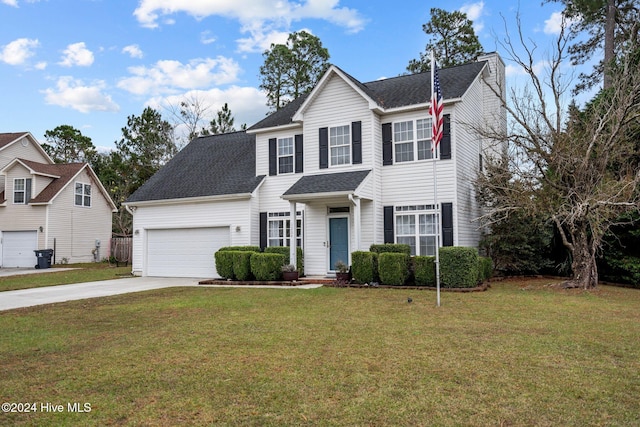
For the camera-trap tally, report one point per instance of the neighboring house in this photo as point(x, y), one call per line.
point(44, 205)
point(351, 161)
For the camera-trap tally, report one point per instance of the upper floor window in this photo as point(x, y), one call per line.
point(83, 194)
point(285, 155)
point(412, 140)
point(21, 190)
point(340, 145)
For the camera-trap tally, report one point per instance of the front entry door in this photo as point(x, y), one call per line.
point(338, 241)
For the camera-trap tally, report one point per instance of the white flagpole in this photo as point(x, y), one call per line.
point(435, 182)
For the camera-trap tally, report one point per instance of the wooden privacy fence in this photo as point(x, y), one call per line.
point(121, 249)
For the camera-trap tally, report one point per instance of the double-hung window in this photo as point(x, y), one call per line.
point(83, 194)
point(285, 155)
point(21, 190)
point(340, 145)
point(412, 140)
point(279, 229)
point(416, 227)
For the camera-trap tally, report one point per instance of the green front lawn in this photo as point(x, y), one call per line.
point(77, 273)
point(520, 354)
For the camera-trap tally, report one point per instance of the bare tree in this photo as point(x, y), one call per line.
point(188, 118)
point(581, 171)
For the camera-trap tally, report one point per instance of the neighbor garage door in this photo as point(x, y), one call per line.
point(18, 247)
point(184, 252)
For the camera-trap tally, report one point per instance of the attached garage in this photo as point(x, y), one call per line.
point(184, 252)
point(18, 247)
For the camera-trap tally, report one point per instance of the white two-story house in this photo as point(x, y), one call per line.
point(352, 162)
point(44, 205)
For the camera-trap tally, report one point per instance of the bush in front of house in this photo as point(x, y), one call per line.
point(458, 267)
point(391, 247)
point(224, 264)
point(393, 268)
point(241, 248)
point(364, 266)
point(284, 250)
point(485, 268)
point(424, 270)
point(267, 266)
point(242, 264)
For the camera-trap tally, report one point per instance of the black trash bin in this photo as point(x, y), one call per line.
point(44, 257)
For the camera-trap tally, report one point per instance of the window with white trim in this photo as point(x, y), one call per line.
point(412, 140)
point(83, 194)
point(21, 190)
point(416, 226)
point(279, 229)
point(285, 155)
point(340, 145)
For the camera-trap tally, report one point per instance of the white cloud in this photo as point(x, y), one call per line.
point(474, 12)
point(257, 17)
point(76, 54)
point(206, 37)
point(170, 76)
point(553, 25)
point(13, 3)
point(18, 51)
point(73, 93)
point(133, 50)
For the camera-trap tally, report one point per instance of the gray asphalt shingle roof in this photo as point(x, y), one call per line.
point(394, 92)
point(328, 183)
point(208, 166)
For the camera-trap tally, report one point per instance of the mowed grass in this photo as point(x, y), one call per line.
point(77, 273)
point(520, 354)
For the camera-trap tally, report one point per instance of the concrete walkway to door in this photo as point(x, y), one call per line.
point(52, 294)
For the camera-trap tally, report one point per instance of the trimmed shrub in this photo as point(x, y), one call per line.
point(424, 270)
point(284, 250)
point(224, 264)
point(364, 266)
point(242, 264)
point(393, 268)
point(241, 248)
point(391, 247)
point(267, 266)
point(458, 267)
point(485, 268)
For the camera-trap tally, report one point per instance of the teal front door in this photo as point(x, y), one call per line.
point(338, 241)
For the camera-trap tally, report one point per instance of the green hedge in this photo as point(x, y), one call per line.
point(284, 250)
point(364, 266)
point(424, 270)
point(242, 264)
point(240, 248)
point(391, 247)
point(458, 267)
point(485, 268)
point(267, 266)
point(393, 268)
point(224, 264)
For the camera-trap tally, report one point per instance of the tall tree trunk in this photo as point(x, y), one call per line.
point(583, 266)
point(609, 35)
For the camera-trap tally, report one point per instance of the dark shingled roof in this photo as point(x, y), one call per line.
point(6, 138)
point(328, 183)
point(394, 92)
point(64, 171)
point(208, 166)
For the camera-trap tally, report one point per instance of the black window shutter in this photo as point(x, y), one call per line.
point(324, 148)
point(263, 230)
point(445, 142)
point(273, 156)
point(389, 236)
point(299, 158)
point(356, 142)
point(447, 224)
point(387, 145)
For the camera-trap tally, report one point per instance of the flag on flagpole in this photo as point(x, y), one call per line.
point(436, 107)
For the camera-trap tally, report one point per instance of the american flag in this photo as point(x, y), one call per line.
point(436, 108)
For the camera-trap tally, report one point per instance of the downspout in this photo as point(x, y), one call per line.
point(356, 220)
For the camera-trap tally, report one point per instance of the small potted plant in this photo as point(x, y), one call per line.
point(289, 272)
point(342, 272)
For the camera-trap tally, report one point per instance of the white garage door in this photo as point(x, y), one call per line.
point(184, 252)
point(18, 247)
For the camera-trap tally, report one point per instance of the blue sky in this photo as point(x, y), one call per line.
point(92, 63)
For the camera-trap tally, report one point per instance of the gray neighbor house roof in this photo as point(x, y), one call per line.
point(225, 164)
